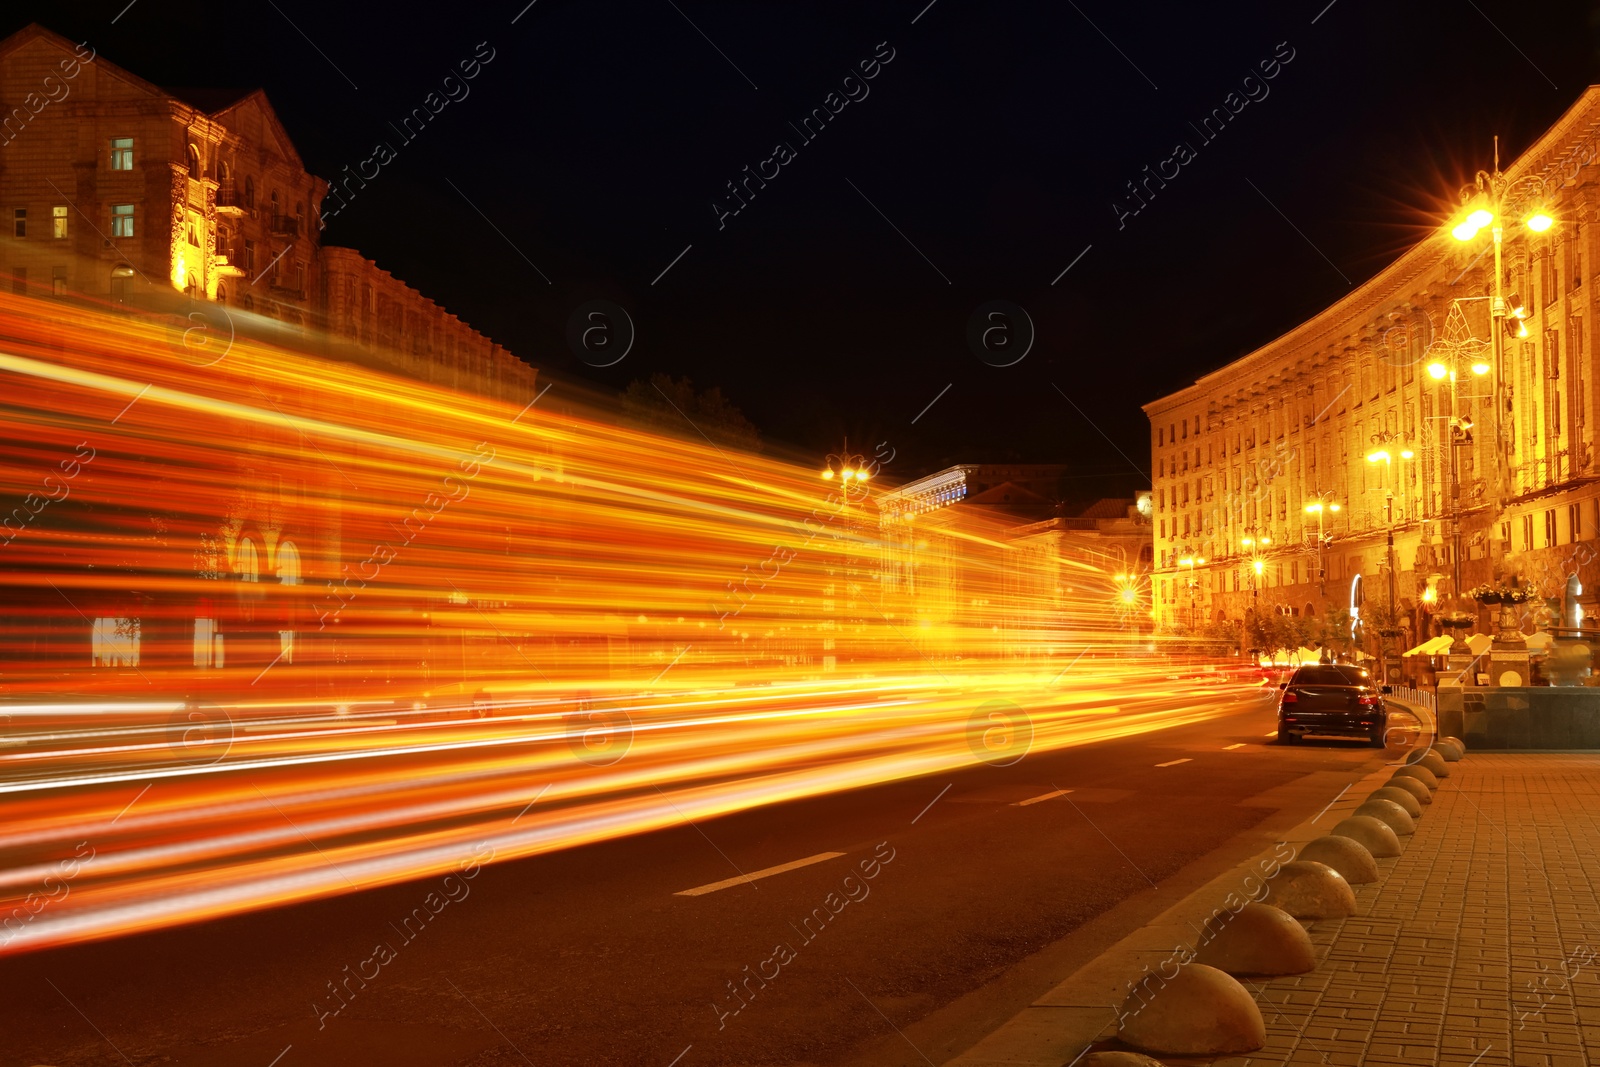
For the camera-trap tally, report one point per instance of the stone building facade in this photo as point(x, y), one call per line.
point(119, 191)
point(1387, 401)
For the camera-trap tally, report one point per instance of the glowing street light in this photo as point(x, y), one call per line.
point(1321, 505)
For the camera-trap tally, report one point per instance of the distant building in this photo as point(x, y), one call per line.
point(1344, 410)
point(118, 190)
point(965, 536)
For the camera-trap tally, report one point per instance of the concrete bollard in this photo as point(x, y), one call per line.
point(1344, 854)
point(1432, 761)
point(1421, 774)
point(1412, 806)
point(1201, 1011)
point(1118, 1059)
point(1374, 835)
point(1448, 750)
point(1456, 741)
point(1423, 794)
point(1307, 889)
point(1389, 813)
point(1257, 940)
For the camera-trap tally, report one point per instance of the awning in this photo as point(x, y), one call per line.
point(1433, 646)
point(1540, 640)
point(1479, 643)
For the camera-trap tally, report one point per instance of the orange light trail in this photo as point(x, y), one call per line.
point(279, 627)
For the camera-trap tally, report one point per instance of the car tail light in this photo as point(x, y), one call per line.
point(1290, 697)
point(1370, 700)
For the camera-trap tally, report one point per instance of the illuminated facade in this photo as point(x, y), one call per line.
point(118, 190)
point(1362, 406)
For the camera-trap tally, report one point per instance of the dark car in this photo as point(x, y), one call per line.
point(1333, 699)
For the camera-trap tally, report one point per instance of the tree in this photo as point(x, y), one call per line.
point(672, 406)
point(1334, 631)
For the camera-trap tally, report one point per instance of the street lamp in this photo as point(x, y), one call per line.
point(1321, 504)
point(1256, 543)
point(1488, 203)
point(1458, 360)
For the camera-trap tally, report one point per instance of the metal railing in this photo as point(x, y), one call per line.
point(1414, 696)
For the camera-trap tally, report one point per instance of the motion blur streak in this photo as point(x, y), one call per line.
point(278, 626)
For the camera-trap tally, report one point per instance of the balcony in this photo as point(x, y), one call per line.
point(230, 202)
point(286, 225)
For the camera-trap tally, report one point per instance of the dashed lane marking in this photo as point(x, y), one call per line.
point(1042, 796)
point(728, 883)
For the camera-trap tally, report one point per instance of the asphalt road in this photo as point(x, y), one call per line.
point(953, 902)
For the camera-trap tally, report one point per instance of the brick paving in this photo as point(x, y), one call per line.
point(1478, 947)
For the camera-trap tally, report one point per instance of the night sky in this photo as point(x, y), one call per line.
point(984, 155)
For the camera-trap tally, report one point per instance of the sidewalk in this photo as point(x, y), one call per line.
point(1479, 946)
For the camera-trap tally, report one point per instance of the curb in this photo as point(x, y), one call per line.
point(1068, 1021)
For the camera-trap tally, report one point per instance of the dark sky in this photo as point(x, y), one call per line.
point(985, 157)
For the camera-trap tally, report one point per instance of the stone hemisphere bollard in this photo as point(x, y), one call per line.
point(1456, 741)
point(1432, 761)
point(1201, 1011)
point(1447, 748)
point(1118, 1059)
point(1374, 835)
point(1257, 940)
point(1423, 794)
point(1344, 854)
point(1307, 889)
point(1390, 813)
point(1412, 806)
point(1421, 774)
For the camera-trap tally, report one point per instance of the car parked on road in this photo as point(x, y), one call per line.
point(1336, 700)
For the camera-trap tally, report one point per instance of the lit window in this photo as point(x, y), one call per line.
point(58, 221)
point(122, 220)
point(21, 222)
point(122, 153)
point(207, 643)
point(246, 562)
point(115, 642)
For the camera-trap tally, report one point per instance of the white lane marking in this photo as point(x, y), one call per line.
point(1175, 762)
point(1272, 734)
point(728, 883)
point(1042, 796)
point(1230, 748)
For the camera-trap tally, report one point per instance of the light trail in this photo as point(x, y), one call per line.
point(282, 627)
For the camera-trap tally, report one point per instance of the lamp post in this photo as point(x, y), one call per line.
point(1256, 542)
point(1321, 503)
point(1460, 428)
point(1486, 204)
point(850, 470)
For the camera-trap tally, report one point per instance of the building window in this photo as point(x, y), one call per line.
point(115, 642)
point(58, 222)
point(58, 280)
point(249, 256)
point(288, 574)
point(195, 170)
point(250, 192)
point(122, 153)
point(120, 276)
point(207, 644)
point(1527, 531)
point(1161, 437)
point(20, 222)
point(1549, 527)
point(122, 220)
point(1574, 523)
point(246, 563)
